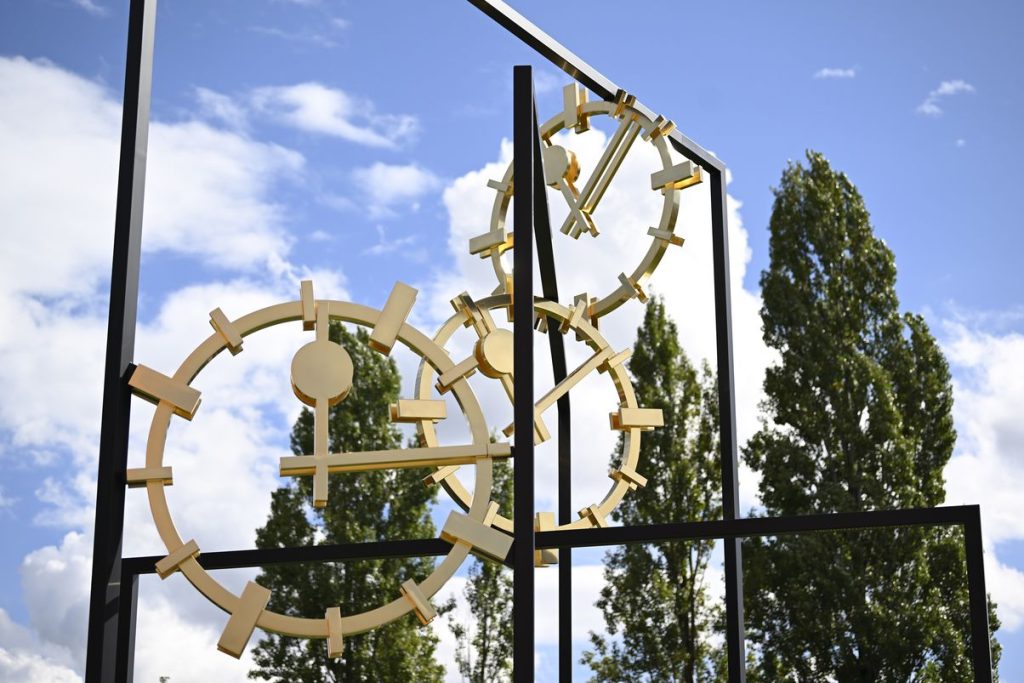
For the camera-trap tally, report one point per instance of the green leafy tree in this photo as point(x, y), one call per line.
point(484, 644)
point(656, 595)
point(363, 506)
point(857, 416)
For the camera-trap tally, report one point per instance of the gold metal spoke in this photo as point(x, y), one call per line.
point(395, 458)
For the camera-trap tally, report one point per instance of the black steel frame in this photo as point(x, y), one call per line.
point(112, 608)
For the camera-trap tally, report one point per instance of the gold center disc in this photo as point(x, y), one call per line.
point(494, 353)
point(321, 370)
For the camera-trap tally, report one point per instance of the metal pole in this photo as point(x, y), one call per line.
point(556, 343)
point(734, 627)
point(981, 647)
point(524, 132)
point(102, 651)
point(126, 613)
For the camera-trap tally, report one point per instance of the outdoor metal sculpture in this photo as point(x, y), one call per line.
point(540, 538)
point(322, 372)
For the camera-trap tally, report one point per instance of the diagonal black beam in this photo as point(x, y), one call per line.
point(556, 345)
point(563, 58)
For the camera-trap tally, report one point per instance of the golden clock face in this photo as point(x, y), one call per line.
point(321, 376)
point(562, 171)
point(492, 356)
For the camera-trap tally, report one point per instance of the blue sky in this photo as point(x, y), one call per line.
point(351, 142)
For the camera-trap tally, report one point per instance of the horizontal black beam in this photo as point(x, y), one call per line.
point(234, 559)
point(566, 60)
point(584, 538)
point(755, 526)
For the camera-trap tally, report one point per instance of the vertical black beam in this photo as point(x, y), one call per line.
point(735, 630)
point(556, 344)
point(981, 647)
point(524, 132)
point(126, 613)
point(103, 637)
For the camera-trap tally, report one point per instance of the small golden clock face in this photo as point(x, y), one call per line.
point(492, 356)
point(562, 171)
point(321, 376)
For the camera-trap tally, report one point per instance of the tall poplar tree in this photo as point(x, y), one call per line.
point(362, 506)
point(857, 416)
point(656, 595)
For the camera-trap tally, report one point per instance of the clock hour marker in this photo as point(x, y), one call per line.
point(308, 305)
point(227, 330)
point(156, 387)
point(172, 562)
point(138, 477)
point(396, 310)
point(484, 539)
point(676, 177)
point(335, 645)
point(238, 631)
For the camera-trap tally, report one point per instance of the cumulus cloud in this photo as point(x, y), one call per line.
point(316, 108)
point(987, 467)
point(90, 7)
point(62, 131)
point(389, 187)
point(833, 72)
point(930, 105)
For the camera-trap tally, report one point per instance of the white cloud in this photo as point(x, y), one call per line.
point(832, 72)
point(208, 201)
point(389, 187)
point(960, 142)
point(930, 105)
point(987, 468)
point(90, 7)
point(220, 107)
point(406, 246)
point(315, 108)
point(310, 36)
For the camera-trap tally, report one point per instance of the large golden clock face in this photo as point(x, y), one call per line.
point(321, 376)
point(562, 171)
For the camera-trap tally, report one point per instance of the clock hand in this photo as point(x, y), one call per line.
point(605, 169)
point(563, 387)
point(439, 456)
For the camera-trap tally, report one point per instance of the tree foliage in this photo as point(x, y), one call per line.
point(362, 506)
point(484, 644)
point(656, 595)
point(857, 416)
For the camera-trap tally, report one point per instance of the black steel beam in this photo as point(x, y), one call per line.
point(556, 345)
point(735, 632)
point(524, 133)
point(104, 639)
point(749, 527)
point(563, 58)
point(258, 557)
point(981, 644)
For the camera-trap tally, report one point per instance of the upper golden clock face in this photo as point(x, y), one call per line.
point(563, 170)
point(321, 376)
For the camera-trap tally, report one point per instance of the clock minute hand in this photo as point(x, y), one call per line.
point(605, 169)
